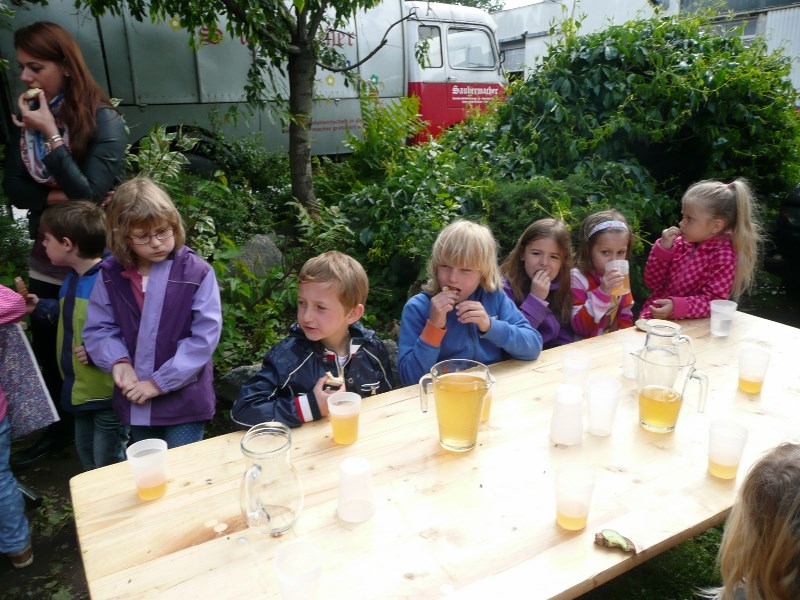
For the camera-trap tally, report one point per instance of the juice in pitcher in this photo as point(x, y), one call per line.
point(459, 403)
point(658, 408)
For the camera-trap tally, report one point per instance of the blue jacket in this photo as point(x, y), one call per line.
point(85, 386)
point(283, 389)
point(510, 336)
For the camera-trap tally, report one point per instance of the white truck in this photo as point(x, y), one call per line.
point(161, 79)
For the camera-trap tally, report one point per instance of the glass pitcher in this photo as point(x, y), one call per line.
point(460, 387)
point(662, 374)
point(667, 334)
point(271, 493)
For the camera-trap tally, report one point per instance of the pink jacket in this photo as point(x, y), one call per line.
point(691, 275)
point(12, 309)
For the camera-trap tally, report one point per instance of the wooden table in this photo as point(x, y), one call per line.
point(473, 525)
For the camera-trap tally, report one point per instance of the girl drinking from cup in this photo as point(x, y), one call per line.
point(536, 278)
point(154, 319)
point(709, 256)
point(462, 311)
point(597, 305)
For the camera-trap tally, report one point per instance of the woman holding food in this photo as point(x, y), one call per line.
point(71, 146)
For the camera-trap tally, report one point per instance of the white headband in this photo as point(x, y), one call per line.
point(607, 225)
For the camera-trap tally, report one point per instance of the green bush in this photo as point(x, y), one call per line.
point(15, 248)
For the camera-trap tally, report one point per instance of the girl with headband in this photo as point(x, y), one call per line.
point(605, 236)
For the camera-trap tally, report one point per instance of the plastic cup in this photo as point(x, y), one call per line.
point(726, 441)
point(298, 566)
point(356, 501)
point(566, 427)
point(574, 487)
point(343, 411)
point(148, 460)
point(722, 313)
point(624, 268)
point(576, 365)
point(603, 399)
point(753, 363)
point(630, 347)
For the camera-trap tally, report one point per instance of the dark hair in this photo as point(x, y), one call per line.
point(81, 221)
point(588, 236)
point(82, 95)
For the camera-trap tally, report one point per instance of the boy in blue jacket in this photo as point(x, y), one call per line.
point(75, 236)
point(326, 348)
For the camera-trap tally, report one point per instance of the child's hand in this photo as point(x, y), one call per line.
point(540, 285)
point(80, 354)
point(322, 395)
point(141, 391)
point(610, 280)
point(124, 375)
point(662, 309)
point(31, 300)
point(668, 237)
point(472, 311)
point(441, 304)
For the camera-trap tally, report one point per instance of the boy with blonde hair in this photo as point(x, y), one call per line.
point(297, 374)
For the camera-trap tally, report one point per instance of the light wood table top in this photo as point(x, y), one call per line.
point(472, 525)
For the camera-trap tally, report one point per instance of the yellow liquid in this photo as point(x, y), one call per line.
point(572, 515)
point(722, 471)
point(623, 288)
point(658, 408)
point(151, 492)
point(345, 428)
point(459, 405)
point(749, 386)
point(487, 406)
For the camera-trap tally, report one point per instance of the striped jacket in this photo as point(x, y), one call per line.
point(595, 312)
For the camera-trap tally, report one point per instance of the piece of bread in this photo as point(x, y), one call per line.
point(22, 289)
point(32, 93)
point(333, 382)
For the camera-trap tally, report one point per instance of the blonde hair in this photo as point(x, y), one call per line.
point(139, 203)
point(339, 269)
point(513, 267)
point(589, 236)
point(733, 204)
point(760, 550)
point(464, 244)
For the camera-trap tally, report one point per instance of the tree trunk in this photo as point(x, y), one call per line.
point(302, 69)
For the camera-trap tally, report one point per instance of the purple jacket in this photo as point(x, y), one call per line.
point(553, 332)
point(170, 341)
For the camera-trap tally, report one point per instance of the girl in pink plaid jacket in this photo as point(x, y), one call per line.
point(711, 255)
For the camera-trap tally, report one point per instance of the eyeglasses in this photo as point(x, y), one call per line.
point(161, 234)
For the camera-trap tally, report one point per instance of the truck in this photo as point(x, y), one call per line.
point(161, 79)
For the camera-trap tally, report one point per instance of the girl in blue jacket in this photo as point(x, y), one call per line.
point(462, 311)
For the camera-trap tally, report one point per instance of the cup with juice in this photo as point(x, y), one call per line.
point(753, 363)
point(343, 411)
point(459, 389)
point(148, 460)
point(574, 487)
point(624, 268)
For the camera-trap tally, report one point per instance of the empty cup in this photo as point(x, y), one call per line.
point(630, 347)
point(356, 502)
point(722, 312)
point(603, 399)
point(566, 426)
point(574, 487)
point(576, 365)
point(298, 566)
point(148, 460)
point(343, 410)
point(726, 441)
point(753, 363)
point(624, 286)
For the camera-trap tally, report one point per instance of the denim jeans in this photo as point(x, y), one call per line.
point(174, 435)
point(100, 438)
point(14, 531)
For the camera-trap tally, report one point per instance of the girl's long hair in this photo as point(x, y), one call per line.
point(733, 204)
point(82, 95)
point(513, 267)
point(760, 550)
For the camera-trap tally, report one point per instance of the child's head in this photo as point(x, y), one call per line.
point(761, 545)
point(544, 246)
point(76, 223)
point(711, 208)
point(143, 223)
point(331, 295)
point(604, 236)
point(464, 256)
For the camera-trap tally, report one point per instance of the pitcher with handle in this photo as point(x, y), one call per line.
point(662, 374)
point(459, 387)
point(271, 494)
point(669, 334)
